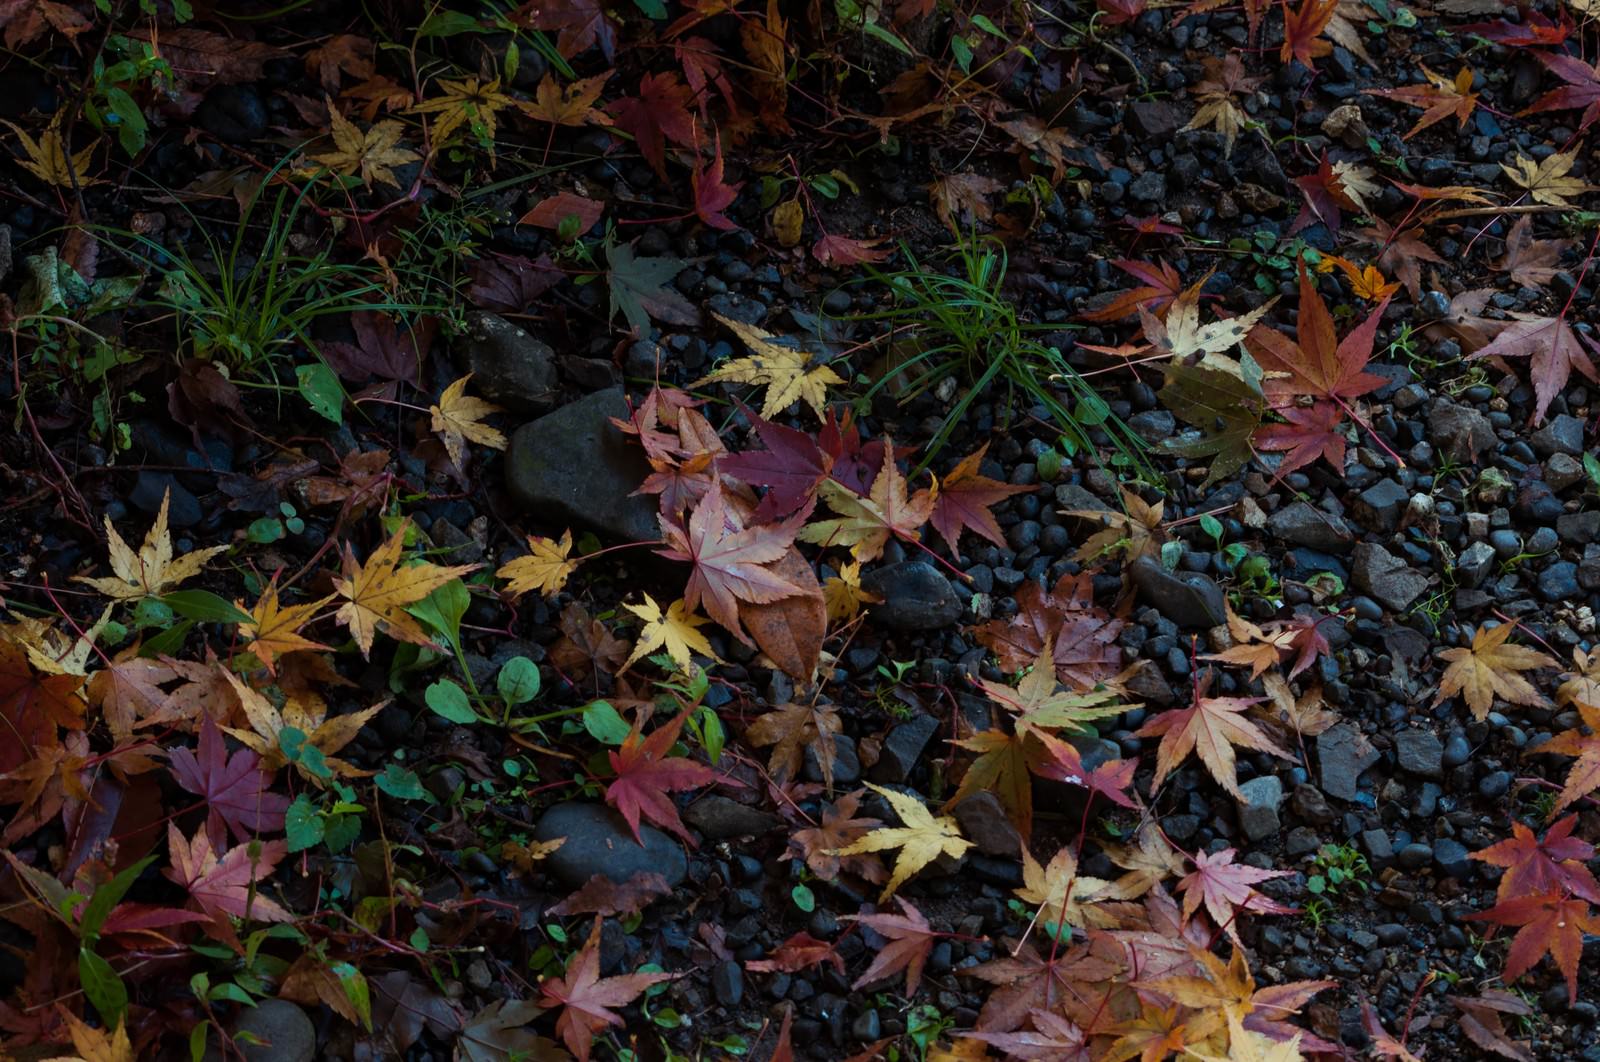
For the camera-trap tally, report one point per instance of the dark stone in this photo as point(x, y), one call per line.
point(1377, 572)
point(1459, 432)
point(983, 821)
point(1559, 582)
point(902, 748)
point(1303, 524)
point(574, 466)
point(1579, 529)
point(281, 1032)
point(916, 597)
point(727, 982)
point(1258, 812)
point(233, 114)
point(719, 818)
point(1562, 435)
point(1309, 803)
point(1419, 752)
point(1382, 503)
point(1450, 856)
point(1155, 120)
point(1474, 564)
point(1343, 752)
point(846, 762)
point(508, 366)
point(1188, 599)
point(183, 508)
point(1415, 856)
point(599, 842)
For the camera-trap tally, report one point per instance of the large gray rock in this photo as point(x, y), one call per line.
point(281, 1032)
point(1387, 579)
point(1188, 599)
point(916, 597)
point(1258, 812)
point(1305, 525)
point(574, 466)
point(1343, 752)
point(508, 365)
point(984, 821)
point(1419, 752)
point(599, 842)
point(1459, 432)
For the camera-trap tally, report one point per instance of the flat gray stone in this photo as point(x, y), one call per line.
point(984, 822)
point(720, 818)
point(1188, 599)
point(1419, 752)
point(599, 842)
point(1304, 524)
point(1386, 578)
point(1258, 812)
point(282, 1032)
point(509, 366)
point(574, 466)
point(1343, 752)
point(1459, 432)
point(916, 596)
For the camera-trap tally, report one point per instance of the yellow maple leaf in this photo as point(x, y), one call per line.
point(47, 158)
point(842, 594)
point(1061, 894)
point(327, 736)
point(466, 103)
point(96, 1045)
point(372, 154)
point(153, 570)
point(572, 105)
point(458, 417)
point(545, 568)
point(1489, 669)
point(1548, 181)
point(1245, 1045)
point(784, 371)
point(865, 524)
point(921, 840)
point(273, 628)
point(674, 629)
point(376, 593)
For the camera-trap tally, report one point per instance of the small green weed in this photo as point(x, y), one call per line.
point(1338, 869)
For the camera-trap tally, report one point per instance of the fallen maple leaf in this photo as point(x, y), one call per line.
point(1532, 865)
point(1549, 923)
point(1052, 1035)
point(785, 372)
point(47, 158)
point(1245, 1045)
point(1584, 777)
point(236, 789)
point(1303, 29)
point(375, 593)
point(1440, 98)
point(227, 884)
point(373, 154)
point(864, 525)
point(1480, 1019)
point(836, 251)
point(545, 568)
point(800, 952)
point(1226, 888)
point(910, 940)
point(1131, 534)
point(1082, 636)
point(466, 102)
point(964, 499)
point(712, 195)
point(819, 845)
point(639, 289)
point(28, 20)
point(1316, 362)
point(1549, 180)
point(1308, 432)
point(921, 839)
point(791, 729)
point(675, 630)
point(842, 594)
point(1210, 727)
point(730, 562)
point(458, 417)
point(97, 1045)
point(571, 105)
point(1062, 762)
point(1028, 983)
point(1553, 351)
point(586, 645)
point(1489, 669)
point(1582, 88)
point(587, 1000)
point(553, 211)
point(310, 720)
point(1531, 263)
point(792, 467)
point(273, 630)
point(962, 199)
point(600, 895)
point(1161, 285)
point(658, 114)
point(153, 570)
point(1224, 79)
point(646, 772)
point(498, 1032)
point(1226, 406)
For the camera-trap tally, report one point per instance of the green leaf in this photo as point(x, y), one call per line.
point(518, 680)
point(319, 386)
point(442, 610)
point(712, 735)
point(448, 24)
point(203, 606)
point(984, 23)
point(401, 783)
point(341, 831)
point(640, 291)
point(962, 51)
point(303, 824)
point(604, 724)
point(197, 1041)
point(355, 989)
point(419, 939)
point(265, 530)
point(872, 29)
point(804, 898)
point(167, 642)
point(103, 986)
point(651, 8)
point(450, 701)
point(106, 897)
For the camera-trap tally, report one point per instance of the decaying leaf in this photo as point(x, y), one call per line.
point(1491, 668)
point(153, 570)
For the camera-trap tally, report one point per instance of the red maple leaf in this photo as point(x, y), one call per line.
point(646, 773)
point(1317, 363)
point(582, 25)
point(1582, 88)
point(835, 251)
point(228, 884)
point(963, 502)
point(1311, 432)
point(659, 113)
point(1533, 31)
point(792, 467)
point(383, 348)
point(1308, 640)
point(910, 940)
point(1063, 763)
point(1226, 888)
point(1302, 31)
point(1552, 350)
point(855, 464)
point(1151, 226)
point(1162, 284)
point(712, 196)
point(1117, 12)
point(800, 952)
point(587, 1000)
point(730, 562)
point(1550, 922)
point(1325, 197)
point(1554, 864)
point(235, 788)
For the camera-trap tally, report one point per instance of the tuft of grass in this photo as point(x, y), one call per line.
point(960, 334)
